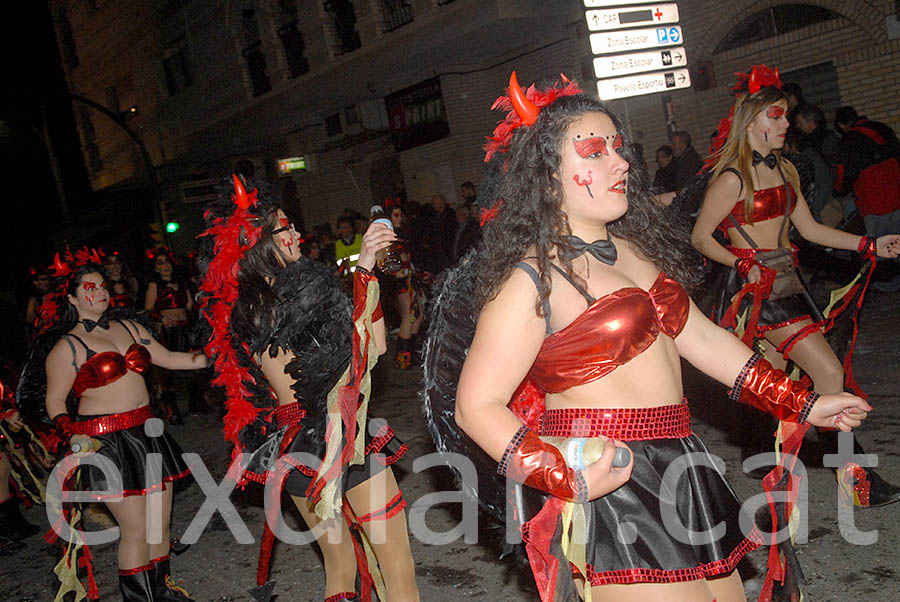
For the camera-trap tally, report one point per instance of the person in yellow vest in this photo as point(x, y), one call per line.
point(346, 248)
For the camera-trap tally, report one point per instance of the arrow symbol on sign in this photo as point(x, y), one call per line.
point(677, 56)
point(596, 19)
point(681, 78)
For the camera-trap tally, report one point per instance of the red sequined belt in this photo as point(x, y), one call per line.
point(103, 425)
point(288, 414)
point(625, 424)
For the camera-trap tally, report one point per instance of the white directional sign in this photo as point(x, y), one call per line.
point(600, 3)
point(638, 62)
point(635, 39)
point(631, 16)
point(648, 83)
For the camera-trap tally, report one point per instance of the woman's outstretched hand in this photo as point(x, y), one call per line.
point(888, 246)
point(839, 410)
point(377, 237)
point(602, 477)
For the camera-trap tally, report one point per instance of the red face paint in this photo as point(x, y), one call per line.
point(585, 182)
point(590, 146)
point(617, 142)
point(285, 222)
point(774, 112)
point(89, 286)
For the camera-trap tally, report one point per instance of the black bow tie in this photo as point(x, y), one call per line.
point(90, 325)
point(770, 160)
point(602, 250)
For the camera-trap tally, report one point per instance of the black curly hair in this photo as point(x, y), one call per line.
point(256, 302)
point(531, 217)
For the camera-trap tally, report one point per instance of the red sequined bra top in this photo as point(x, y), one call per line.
point(101, 369)
point(169, 298)
point(612, 331)
point(768, 203)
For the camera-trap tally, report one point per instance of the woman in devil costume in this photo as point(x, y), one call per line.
point(169, 302)
point(102, 362)
point(589, 338)
point(753, 196)
point(123, 286)
point(402, 288)
point(293, 353)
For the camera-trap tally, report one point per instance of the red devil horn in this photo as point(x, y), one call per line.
point(240, 195)
point(777, 78)
point(564, 78)
point(59, 266)
point(525, 109)
point(753, 84)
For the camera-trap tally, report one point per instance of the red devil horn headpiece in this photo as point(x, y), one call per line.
point(762, 77)
point(241, 199)
point(525, 109)
point(60, 268)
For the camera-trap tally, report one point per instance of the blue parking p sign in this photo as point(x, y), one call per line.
point(662, 34)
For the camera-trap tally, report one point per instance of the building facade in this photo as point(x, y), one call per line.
point(357, 100)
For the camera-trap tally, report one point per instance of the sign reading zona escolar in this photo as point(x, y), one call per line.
point(647, 83)
point(637, 62)
point(635, 39)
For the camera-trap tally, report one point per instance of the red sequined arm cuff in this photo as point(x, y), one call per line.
point(537, 464)
point(867, 247)
point(63, 425)
point(760, 385)
point(743, 265)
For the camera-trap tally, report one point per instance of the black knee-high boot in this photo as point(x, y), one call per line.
point(866, 488)
point(135, 584)
point(12, 524)
point(164, 589)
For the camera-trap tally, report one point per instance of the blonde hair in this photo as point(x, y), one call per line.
point(736, 151)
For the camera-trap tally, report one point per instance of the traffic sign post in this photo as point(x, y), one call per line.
point(602, 3)
point(632, 16)
point(637, 47)
point(647, 83)
point(638, 62)
point(635, 39)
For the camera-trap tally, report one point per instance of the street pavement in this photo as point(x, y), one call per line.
point(217, 568)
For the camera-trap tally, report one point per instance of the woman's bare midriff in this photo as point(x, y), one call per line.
point(174, 315)
point(125, 394)
point(651, 379)
point(765, 233)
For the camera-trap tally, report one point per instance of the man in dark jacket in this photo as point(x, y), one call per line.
point(868, 164)
point(666, 175)
point(468, 232)
point(689, 160)
point(434, 239)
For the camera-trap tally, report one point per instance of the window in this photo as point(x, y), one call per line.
point(253, 54)
point(292, 42)
point(343, 21)
point(177, 71)
point(397, 13)
point(773, 22)
point(333, 125)
point(89, 139)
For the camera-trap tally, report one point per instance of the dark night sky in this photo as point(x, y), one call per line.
point(31, 227)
